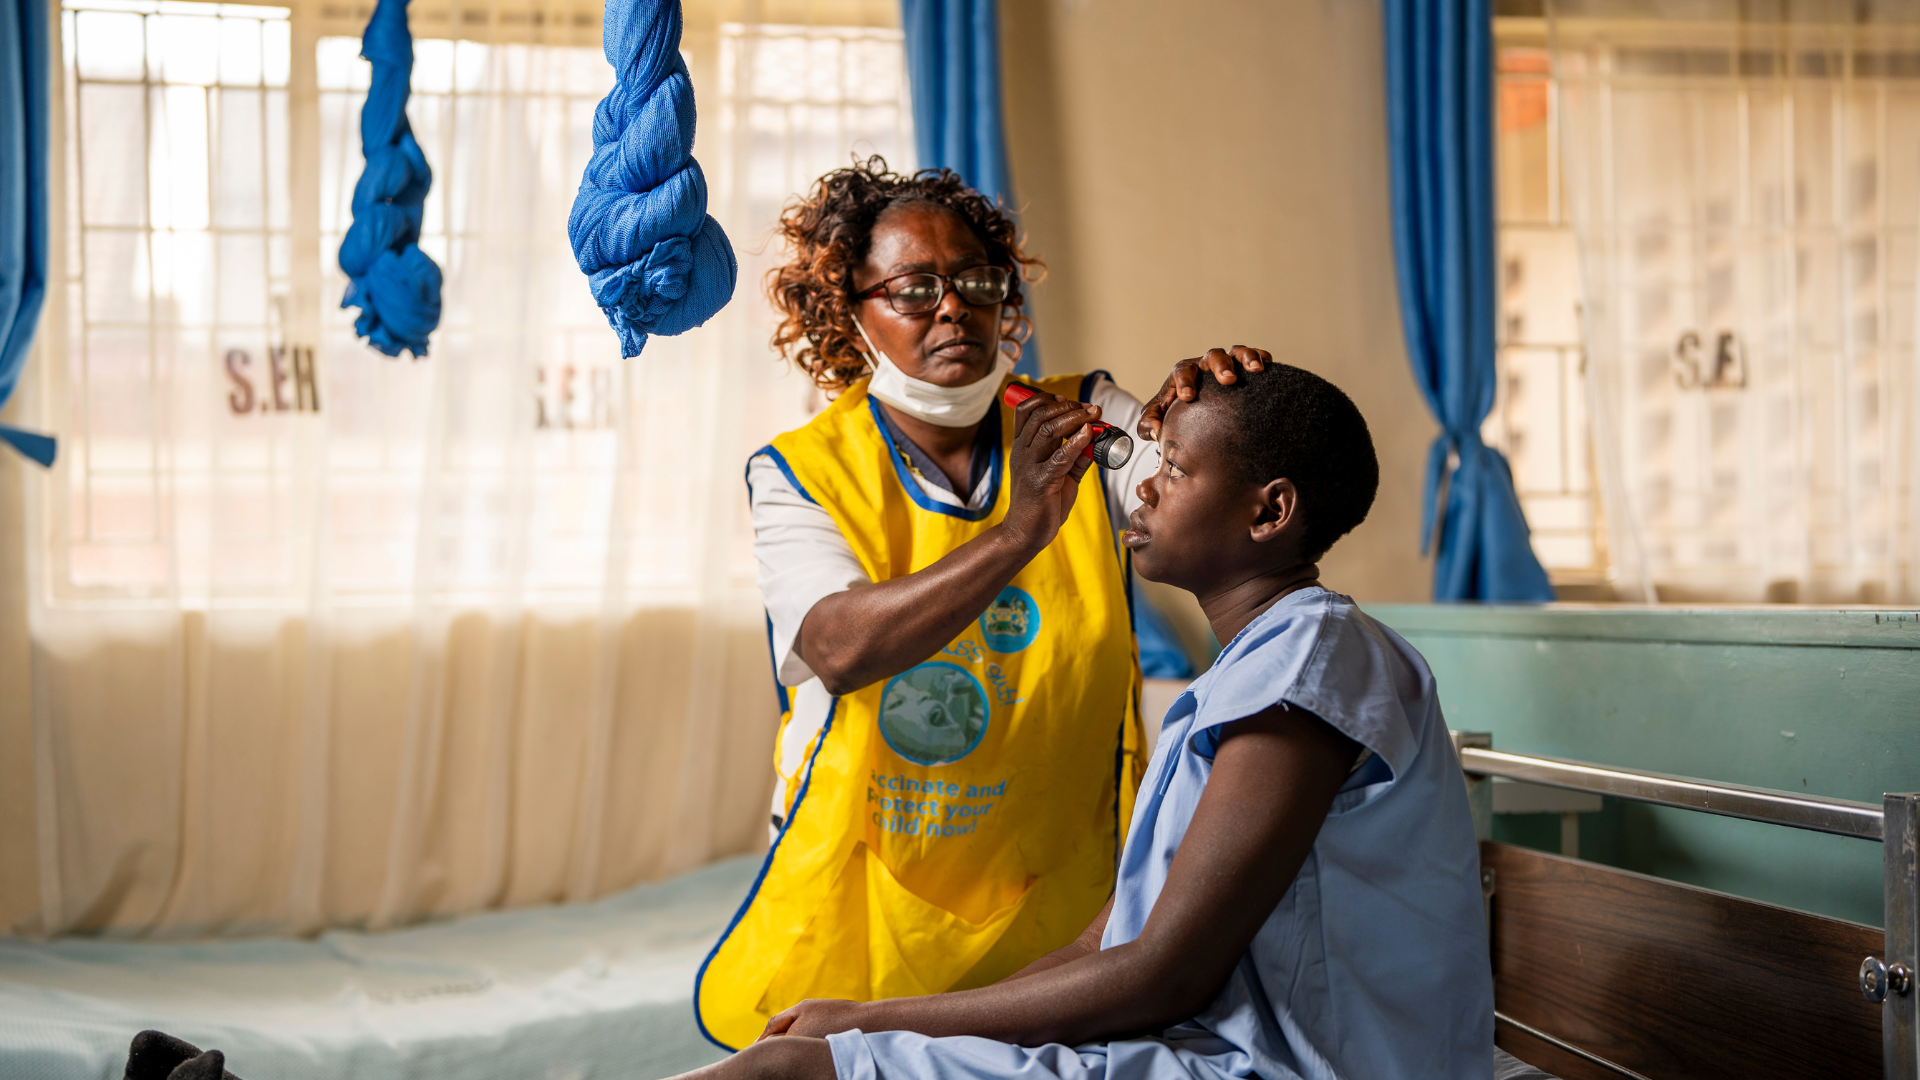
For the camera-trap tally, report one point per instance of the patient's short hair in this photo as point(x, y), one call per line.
point(1290, 423)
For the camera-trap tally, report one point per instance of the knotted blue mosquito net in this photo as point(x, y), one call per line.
point(393, 283)
point(656, 262)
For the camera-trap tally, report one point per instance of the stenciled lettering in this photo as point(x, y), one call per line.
point(285, 364)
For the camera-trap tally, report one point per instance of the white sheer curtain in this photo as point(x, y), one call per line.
point(1744, 181)
point(321, 638)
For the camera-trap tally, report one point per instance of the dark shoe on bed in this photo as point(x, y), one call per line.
point(156, 1055)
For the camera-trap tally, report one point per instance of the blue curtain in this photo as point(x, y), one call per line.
point(395, 285)
point(656, 261)
point(953, 67)
point(1440, 139)
point(24, 85)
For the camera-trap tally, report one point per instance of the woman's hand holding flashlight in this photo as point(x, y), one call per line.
point(857, 637)
point(1048, 458)
point(1111, 448)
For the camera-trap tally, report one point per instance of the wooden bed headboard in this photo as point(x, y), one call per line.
point(1669, 980)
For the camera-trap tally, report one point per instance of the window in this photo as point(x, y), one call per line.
point(225, 437)
point(178, 267)
point(1539, 416)
point(1708, 260)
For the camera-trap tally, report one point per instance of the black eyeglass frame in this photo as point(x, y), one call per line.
point(946, 282)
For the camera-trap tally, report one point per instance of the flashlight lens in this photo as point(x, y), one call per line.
point(1118, 449)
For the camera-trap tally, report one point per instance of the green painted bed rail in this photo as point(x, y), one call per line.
point(1820, 701)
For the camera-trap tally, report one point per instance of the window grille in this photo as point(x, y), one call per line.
point(507, 128)
point(1539, 418)
point(796, 101)
point(1746, 201)
point(177, 279)
point(225, 437)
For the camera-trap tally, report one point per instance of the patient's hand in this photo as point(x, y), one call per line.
point(1183, 382)
point(818, 1017)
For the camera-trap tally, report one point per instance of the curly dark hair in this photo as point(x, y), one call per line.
point(1289, 422)
point(829, 232)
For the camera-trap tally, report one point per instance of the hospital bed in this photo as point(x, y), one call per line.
point(1602, 973)
point(1598, 973)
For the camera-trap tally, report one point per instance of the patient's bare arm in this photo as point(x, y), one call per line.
point(1274, 777)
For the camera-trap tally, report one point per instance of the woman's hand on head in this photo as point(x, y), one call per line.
point(1045, 471)
point(1183, 382)
point(817, 1017)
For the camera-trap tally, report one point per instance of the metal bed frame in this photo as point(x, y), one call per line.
point(1887, 980)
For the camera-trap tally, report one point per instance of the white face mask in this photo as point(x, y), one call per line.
point(942, 406)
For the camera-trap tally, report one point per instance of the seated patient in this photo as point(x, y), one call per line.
point(1299, 894)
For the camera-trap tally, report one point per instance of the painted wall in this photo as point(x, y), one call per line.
point(1214, 172)
point(1823, 702)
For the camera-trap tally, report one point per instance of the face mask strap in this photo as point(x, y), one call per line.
point(874, 355)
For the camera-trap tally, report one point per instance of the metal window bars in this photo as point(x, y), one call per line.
point(1888, 979)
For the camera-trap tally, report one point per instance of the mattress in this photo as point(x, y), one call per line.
point(558, 993)
point(578, 992)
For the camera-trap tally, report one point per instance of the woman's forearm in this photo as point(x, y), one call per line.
point(855, 638)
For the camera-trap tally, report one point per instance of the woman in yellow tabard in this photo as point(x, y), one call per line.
point(949, 614)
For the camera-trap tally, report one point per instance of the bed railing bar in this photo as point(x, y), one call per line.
point(1503, 1018)
point(1841, 817)
point(1900, 1008)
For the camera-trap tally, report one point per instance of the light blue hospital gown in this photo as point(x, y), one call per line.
point(1373, 966)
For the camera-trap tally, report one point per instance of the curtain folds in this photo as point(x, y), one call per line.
point(658, 263)
point(395, 285)
point(1439, 59)
point(953, 61)
point(25, 82)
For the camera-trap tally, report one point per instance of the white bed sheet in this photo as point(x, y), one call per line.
point(558, 993)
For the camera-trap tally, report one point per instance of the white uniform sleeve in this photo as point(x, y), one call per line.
point(803, 559)
point(1122, 410)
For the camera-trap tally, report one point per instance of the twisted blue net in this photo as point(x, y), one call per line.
point(656, 262)
point(393, 283)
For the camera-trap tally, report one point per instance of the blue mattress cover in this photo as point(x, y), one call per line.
point(560, 993)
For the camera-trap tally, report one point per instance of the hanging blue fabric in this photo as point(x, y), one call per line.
point(393, 283)
point(953, 68)
point(1440, 137)
point(24, 82)
point(656, 262)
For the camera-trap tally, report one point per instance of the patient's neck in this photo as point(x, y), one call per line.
point(1235, 603)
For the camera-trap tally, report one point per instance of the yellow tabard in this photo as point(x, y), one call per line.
point(955, 822)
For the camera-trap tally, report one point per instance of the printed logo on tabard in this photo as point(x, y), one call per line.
point(934, 713)
point(1011, 622)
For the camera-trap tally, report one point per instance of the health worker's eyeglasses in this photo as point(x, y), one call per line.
point(917, 294)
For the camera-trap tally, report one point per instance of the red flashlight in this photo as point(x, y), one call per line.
point(1110, 448)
